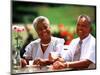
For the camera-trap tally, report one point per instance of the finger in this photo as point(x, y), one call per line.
point(36, 61)
point(55, 65)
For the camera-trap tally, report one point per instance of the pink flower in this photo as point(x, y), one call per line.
point(14, 28)
point(17, 28)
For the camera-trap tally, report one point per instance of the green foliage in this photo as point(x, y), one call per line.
point(66, 14)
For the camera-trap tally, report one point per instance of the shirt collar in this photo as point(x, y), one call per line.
point(86, 39)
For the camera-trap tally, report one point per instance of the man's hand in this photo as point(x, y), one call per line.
point(58, 65)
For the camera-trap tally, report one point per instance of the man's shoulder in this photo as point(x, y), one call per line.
point(75, 39)
point(92, 39)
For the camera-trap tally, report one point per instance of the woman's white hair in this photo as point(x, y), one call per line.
point(39, 18)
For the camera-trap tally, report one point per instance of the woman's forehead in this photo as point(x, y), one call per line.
point(42, 24)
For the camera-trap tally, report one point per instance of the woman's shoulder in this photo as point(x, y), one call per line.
point(37, 41)
point(56, 39)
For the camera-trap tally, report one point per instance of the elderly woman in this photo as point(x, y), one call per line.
point(40, 49)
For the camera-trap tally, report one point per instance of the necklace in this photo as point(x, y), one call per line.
point(45, 44)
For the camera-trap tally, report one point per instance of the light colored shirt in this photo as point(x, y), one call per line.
point(34, 48)
point(87, 49)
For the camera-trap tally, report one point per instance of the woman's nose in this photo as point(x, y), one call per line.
point(43, 30)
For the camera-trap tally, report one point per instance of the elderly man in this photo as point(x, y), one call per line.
point(81, 53)
point(40, 49)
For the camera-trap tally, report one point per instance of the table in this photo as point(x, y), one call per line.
point(34, 69)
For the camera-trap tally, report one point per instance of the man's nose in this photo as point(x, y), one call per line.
point(80, 27)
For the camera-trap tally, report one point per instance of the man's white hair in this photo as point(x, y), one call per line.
point(39, 18)
point(84, 17)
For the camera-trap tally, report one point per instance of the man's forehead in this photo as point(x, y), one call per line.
point(83, 19)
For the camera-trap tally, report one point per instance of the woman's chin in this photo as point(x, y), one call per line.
point(44, 38)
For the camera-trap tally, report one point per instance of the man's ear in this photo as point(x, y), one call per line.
point(49, 28)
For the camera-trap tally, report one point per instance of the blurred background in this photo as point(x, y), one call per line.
point(63, 18)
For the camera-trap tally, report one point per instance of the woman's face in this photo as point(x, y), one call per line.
point(43, 30)
point(83, 28)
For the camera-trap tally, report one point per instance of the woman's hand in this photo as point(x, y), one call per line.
point(23, 62)
point(52, 57)
point(40, 62)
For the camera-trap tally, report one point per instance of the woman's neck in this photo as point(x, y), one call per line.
point(45, 44)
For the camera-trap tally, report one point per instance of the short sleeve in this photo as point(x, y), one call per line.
point(28, 49)
point(90, 54)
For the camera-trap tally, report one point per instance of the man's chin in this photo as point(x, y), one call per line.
point(80, 35)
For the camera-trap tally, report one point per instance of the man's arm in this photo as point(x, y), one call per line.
point(82, 64)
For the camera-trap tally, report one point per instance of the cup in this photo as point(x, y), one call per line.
point(31, 62)
point(53, 56)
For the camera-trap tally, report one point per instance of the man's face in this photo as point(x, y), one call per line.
point(43, 30)
point(83, 28)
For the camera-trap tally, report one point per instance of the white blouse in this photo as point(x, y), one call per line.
point(33, 50)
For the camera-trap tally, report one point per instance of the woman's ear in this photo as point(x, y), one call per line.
point(49, 28)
